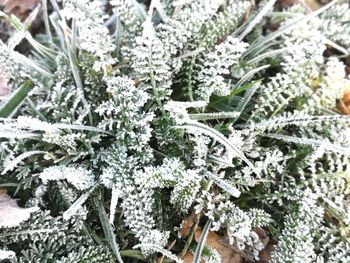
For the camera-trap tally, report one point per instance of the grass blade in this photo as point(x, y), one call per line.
point(233, 191)
point(249, 75)
point(9, 107)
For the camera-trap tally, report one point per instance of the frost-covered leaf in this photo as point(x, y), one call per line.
point(80, 177)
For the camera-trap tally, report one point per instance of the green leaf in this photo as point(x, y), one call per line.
point(221, 103)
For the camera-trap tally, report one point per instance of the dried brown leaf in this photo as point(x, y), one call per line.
point(344, 104)
point(311, 5)
point(220, 244)
point(19, 8)
point(186, 225)
point(228, 253)
point(4, 88)
point(265, 255)
point(188, 258)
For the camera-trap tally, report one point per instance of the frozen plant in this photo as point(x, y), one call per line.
point(131, 119)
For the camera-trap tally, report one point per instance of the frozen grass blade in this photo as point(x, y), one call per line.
point(249, 75)
point(257, 19)
point(46, 20)
point(328, 146)
point(219, 161)
point(268, 54)
point(247, 97)
point(108, 230)
point(280, 122)
point(213, 116)
point(233, 191)
point(258, 44)
point(72, 210)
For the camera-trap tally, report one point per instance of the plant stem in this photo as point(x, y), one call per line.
point(156, 93)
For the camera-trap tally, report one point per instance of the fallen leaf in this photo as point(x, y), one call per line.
point(220, 244)
point(347, 69)
point(4, 88)
point(186, 225)
point(262, 235)
point(228, 253)
point(344, 104)
point(265, 255)
point(11, 214)
point(10, 6)
point(19, 8)
point(188, 258)
point(312, 5)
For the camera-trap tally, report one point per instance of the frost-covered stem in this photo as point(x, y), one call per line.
point(153, 4)
point(189, 84)
point(280, 107)
point(29, 232)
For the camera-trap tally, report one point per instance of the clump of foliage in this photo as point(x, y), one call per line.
point(126, 116)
